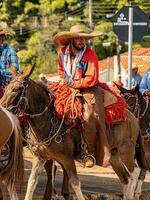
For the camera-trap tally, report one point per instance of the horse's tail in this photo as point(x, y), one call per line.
point(13, 172)
point(141, 158)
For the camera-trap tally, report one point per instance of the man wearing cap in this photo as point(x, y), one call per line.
point(145, 84)
point(78, 66)
point(7, 56)
point(136, 77)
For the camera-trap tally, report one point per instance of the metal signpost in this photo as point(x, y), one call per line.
point(130, 41)
point(130, 23)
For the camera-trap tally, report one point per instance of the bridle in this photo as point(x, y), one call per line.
point(26, 105)
point(145, 110)
point(136, 110)
point(22, 97)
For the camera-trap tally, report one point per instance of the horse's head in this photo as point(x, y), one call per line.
point(130, 96)
point(16, 88)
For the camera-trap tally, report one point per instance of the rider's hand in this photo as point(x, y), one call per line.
point(72, 89)
point(62, 82)
point(62, 75)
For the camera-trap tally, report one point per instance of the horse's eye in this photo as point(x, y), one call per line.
point(126, 97)
point(15, 89)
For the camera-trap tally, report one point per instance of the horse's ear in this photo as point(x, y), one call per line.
point(12, 69)
point(27, 73)
point(122, 90)
point(136, 89)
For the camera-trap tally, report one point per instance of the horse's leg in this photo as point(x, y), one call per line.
point(50, 186)
point(133, 179)
point(139, 184)
point(1, 189)
point(127, 153)
point(121, 171)
point(1, 195)
point(118, 166)
point(70, 168)
point(65, 187)
point(12, 193)
point(37, 167)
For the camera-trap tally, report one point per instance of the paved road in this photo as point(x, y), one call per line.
point(96, 181)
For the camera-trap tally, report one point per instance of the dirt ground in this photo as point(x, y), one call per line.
point(97, 183)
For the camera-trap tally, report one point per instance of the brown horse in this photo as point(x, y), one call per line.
point(49, 138)
point(140, 107)
point(11, 172)
point(7, 125)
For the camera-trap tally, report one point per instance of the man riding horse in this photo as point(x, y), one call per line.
point(7, 56)
point(145, 84)
point(78, 67)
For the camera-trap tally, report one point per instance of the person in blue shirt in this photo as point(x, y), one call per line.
point(136, 77)
point(145, 84)
point(7, 56)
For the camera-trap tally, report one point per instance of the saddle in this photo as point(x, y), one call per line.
point(109, 98)
point(114, 105)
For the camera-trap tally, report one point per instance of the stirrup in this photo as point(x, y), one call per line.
point(89, 157)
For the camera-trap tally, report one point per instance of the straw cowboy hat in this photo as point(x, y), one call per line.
point(63, 38)
point(5, 30)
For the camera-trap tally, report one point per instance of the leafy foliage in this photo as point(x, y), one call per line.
point(37, 21)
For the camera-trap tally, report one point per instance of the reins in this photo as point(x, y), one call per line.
point(145, 110)
point(140, 116)
point(127, 96)
point(27, 105)
point(57, 136)
point(37, 114)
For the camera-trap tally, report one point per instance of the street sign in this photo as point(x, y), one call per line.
point(121, 23)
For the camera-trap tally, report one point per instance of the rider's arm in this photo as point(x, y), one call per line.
point(91, 75)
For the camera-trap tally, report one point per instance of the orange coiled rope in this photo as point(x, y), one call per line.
point(65, 103)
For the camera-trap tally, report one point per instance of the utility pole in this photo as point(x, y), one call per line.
point(91, 22)
point(20, 27)
point(45, 21)
point(35, 21)
point(118, 48)
point(90, 14)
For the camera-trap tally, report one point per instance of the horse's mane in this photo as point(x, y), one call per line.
point(139, 94)
point(44, 87)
